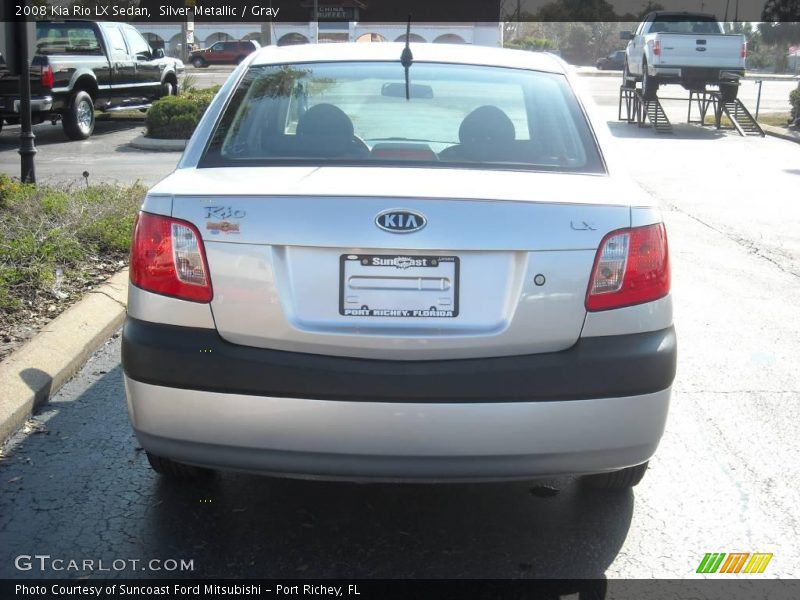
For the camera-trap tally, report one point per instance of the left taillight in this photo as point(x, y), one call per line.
point(48, 79)
point(168, 257)
point(631, 267)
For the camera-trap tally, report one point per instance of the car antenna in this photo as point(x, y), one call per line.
point(406, 58)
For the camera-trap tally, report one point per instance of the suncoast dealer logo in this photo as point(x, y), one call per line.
point(401, 262)
point(43, 563)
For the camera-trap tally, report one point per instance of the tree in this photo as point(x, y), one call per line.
point(781, 11)
point(779, 28)
point(584, 11)
point(645, 10)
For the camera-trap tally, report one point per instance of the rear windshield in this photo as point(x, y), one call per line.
point(688, 24)
point(358, 113)
point(66, 38)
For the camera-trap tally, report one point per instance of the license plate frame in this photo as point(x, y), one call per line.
point(400, 272)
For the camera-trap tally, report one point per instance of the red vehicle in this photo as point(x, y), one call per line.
point(223, 53)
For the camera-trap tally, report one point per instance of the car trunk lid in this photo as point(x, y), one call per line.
point(298, 262)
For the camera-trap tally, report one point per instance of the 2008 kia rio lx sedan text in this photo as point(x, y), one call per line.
point(365, 271)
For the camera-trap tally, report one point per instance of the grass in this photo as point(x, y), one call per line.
point(53, 240)
point(776, 119)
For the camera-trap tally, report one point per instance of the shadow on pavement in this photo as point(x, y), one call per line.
point(40, 383)
point(85, 489)
point(47, 134)
point(680, 131)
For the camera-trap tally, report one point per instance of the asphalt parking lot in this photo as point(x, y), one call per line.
point(725, 479)
point(106, 155)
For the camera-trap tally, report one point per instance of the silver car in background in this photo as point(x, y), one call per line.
point(430, 271)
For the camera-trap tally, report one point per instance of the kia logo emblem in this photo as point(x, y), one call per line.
point(400, 221)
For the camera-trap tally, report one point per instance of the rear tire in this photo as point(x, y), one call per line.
point(198, 62)
point(649, 84)
point(168, 89)
point(78, 120)
point(166, 467)
point(728, 92)
point(239, 59)
point(616, 480)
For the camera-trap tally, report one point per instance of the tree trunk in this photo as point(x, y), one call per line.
point(266, 34)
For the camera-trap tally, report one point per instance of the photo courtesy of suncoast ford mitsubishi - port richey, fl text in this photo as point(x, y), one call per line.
point(370, 299)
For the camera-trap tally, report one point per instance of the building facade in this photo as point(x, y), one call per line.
point(169, 36)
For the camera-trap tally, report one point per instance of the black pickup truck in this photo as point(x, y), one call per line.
point(83, 66)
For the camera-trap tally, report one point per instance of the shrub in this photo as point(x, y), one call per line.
point(794, 100)
point(175, 117)
point(172, 117)
point(530, 43)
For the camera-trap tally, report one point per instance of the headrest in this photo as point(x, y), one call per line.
point(486, 123)
point(325, 120)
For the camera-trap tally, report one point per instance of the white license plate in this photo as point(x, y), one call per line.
point(398, 285)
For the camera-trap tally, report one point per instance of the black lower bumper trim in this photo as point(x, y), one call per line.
point(602, 367)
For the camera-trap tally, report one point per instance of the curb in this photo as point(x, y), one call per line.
point(779, 132)
point(35, 372)
point(617, 74)
point(141, 142)
point(210, 68)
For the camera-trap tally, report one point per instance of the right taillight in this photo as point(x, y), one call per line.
point(168, 257)
point(48, 78)
point(631, 267)
point(744, 50)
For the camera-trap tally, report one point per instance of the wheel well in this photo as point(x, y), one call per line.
point(170, 78)
point(86, 84)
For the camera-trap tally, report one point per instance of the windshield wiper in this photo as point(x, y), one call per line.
point(406, 58)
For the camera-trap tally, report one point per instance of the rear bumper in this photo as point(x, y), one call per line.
point(199, 359)
point(200, 400)
point(710, 75)
point(396, 442)
point(10, 106)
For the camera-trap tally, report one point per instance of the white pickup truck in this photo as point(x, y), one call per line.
point(686, 48)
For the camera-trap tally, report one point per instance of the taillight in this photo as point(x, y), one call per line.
point(657, 47)
point(48, 79)
point(631, 267)
point(744, 50)
point(167, 257)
